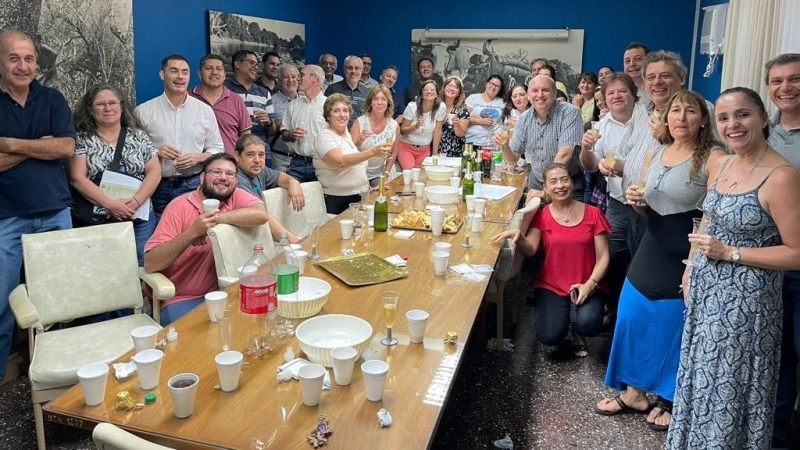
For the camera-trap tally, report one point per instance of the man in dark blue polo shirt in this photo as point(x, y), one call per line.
point(36, 135)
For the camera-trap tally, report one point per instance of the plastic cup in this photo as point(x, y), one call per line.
point(144, 337)
point(419, 188)
point(417, 321)
point(477, 223)
point(442, 247)
point(344, 359)
point(374, 372)
point(450, 118)
point(437, 223)
point(370, 214)
point(210, 204)
point(415, 172)
point(440, 260)
point(224, 321)
point(92, 378)
point(470, 202)
point(229, 365)
point(183, 390)
point(347, 228)
point(477, 176)
point(454, 181)
point(311, 377)
point(148, 365)
point(299, 258)
point(215, 303)
point(480, 205)
point(406, 177)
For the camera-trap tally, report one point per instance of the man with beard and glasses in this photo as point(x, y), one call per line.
point(179, 248)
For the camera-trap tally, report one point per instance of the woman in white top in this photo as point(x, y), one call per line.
point(421, 127)
point(585, 98)
point(341, 168)
point(485, 110)
point(376, 127)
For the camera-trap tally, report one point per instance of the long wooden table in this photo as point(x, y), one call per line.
point(266, 413)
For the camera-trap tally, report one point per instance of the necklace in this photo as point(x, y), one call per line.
point(564, 216)
point(736, 183)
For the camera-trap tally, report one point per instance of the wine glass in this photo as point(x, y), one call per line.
point(640, 185)
point(610, 158)
point(467, 230)
point(355, 213)
point(697, 227)
point(389, 299)
point(314, 241)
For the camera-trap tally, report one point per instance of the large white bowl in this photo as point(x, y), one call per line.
point(309, 300)
point(318, 335)
point(438, 173)
point(441, 195)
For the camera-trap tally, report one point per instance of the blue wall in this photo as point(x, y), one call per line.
point(384, 28)
point(709, 87)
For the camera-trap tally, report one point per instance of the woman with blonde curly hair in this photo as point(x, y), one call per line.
point(376, 127)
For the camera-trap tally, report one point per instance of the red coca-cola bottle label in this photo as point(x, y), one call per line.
point(258, 296)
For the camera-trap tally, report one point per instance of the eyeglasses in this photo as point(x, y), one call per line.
point(252, 62)
point(111, 104)
point(494, 85)
point(218, 173)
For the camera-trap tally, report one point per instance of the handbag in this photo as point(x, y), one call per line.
point(83, 211)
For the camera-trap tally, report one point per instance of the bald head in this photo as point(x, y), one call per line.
point(542, 93)
point(14, 36)
point(17, 61)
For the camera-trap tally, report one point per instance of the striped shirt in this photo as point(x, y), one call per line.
point(540, 142)
point(257, 97)
point(308, 115)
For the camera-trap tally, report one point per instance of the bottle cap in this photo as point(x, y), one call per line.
point(150, 398)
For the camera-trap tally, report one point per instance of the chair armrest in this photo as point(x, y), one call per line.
point(24, 311)
point(224, 282)
point(162, 287)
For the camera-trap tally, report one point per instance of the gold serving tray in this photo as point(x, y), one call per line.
point(362, 269)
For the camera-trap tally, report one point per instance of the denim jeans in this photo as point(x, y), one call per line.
point(143, 229)
point(302, 171)
point(176, 310)
point(554, 313)
point(11, 231)
point(169, 188)
point(617, 215)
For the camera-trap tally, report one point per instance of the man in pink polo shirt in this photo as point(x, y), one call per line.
point(179, 248)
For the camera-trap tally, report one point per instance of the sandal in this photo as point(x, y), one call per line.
point(624, 409)
point(579, 347)
point(666, 408)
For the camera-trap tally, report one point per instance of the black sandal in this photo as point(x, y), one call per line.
point(624, 408)
point(666, 407)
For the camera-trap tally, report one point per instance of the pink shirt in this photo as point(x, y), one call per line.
point(193, 273)
point(232, 116)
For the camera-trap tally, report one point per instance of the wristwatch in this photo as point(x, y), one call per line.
point(735, 255)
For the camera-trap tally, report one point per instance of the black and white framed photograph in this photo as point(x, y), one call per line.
point(475, 54)
point(229, 33)
point(79, 43)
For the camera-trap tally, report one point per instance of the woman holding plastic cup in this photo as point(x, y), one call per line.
point(421, 129)
point(455, 127)
point(377, 127)
point(485, 109)
point(341, 168)
point(568, 289)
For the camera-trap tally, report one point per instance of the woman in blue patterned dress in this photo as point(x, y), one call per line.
point(730, 350)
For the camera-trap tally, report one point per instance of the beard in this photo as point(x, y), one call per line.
point(208, 192)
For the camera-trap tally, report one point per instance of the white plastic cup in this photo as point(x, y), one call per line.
point(215, 303)
point(92, 378)
point(437, 224)
point(229, 366)
point(144, 337)
point(148, 365)
point(310, 377)
point(210, 204)
point(406, 177)
point(293, 247)
point(417, 321)
point(370, 214)
point(454, 181)
point(374, 372)
point(415, 173)
point(440, 260)
point(470, 202)
point(477, 223)
point(299, 258)
point(344, 359)
point(442, 247)
point(183, 390)
point(480, 205)
point(436, 211)
point(419, 188)
point(346, 226)
point(450, 118)
point(477, 176)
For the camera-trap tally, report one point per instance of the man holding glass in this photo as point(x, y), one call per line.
point(302, 122)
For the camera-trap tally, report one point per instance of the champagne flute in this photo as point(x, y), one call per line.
point(356, 216)
point(467, 231)
point(697, 227)
point(389, 299)
point(640, 185)
point(314, 241)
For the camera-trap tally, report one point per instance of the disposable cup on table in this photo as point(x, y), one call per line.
point(480, 205)
point(406, 177)
point(311, 377)
point(224, 321)
point(470, 198)
point(183, 390)
point(419, 188)
point(454, 181)
point(417, 321)
point(477, 176)
point(442, 247)
point(440, 260)
point(346, 226)
point(229, 366)
point(437, 223)
point(299, 258)
point(92, 378)
point(215, 302)
point(415, 173)
point(374, 372)
point(144, 337)
point(477, 221)
point(210, 204)
point(370, 214)
point(148, 366)
point(344, 359)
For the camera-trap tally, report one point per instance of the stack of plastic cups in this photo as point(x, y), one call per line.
point(437, 221)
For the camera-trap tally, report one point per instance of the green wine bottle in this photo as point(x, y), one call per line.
point(381, 209)
point(468, 185)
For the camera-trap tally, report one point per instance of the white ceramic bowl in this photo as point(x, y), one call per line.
point(312, 296)
point(438, 173)
point(441, 195)
point(318, 335)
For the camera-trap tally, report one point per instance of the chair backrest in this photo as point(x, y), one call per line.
point(298, 222)
point(81, 272)
point(107, 436)
point(233, 246)
point(510, 261)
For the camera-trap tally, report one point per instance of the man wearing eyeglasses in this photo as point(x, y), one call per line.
point(329, 63)
point(303, 121)
point(179, 249)
point(366, 79)
point(351, 87)
point(183, 129)
point(256, 97)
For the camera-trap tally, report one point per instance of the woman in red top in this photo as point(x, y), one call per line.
point(568, 290)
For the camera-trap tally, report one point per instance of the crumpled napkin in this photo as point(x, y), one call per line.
point(397, 260)
point(404, 234)
point(123, 370)
point(472, 273)
point(289, 370)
